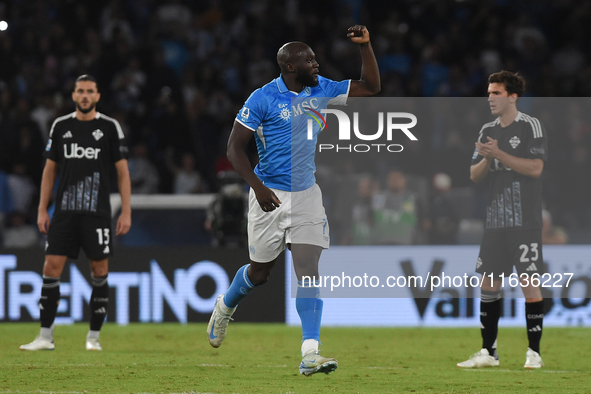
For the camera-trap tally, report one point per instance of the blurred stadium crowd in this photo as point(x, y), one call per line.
point(175, 73)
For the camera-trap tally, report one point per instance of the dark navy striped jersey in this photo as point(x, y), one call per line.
point(514, 200)
point(85, 152)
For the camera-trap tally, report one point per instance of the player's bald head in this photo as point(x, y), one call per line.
point(289, 52)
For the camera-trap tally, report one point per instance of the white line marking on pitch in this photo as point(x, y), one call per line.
point(514, 370)
point(55, 365)
point(383, 368)
point(83, 392)
point(237, 366)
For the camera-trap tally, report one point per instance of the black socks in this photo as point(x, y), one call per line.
point(490, 312)
point(99, 302)
point(534, 317)
point(50, 296)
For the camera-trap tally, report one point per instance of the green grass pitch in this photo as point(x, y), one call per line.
point(264, 358)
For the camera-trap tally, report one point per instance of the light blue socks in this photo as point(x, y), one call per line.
point(239, 288)
point(309, 307)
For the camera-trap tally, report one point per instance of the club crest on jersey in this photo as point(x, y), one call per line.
point(97, 134)
point(514, 142)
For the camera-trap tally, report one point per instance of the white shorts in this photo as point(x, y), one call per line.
point(300, 219)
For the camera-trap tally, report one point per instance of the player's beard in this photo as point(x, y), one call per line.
point(307, 79)
point(85, 110)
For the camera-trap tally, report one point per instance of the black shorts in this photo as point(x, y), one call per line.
point(68, 233)
point(500, 251)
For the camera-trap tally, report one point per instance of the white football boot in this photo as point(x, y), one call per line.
point(313, 363)
point(93, 344)
point(39, 343)
point(218, 322)
point(480, 359)
point(533, 359)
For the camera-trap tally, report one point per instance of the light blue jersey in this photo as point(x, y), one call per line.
point(270, 114)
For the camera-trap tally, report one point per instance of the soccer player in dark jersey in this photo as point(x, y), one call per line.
point(510, 153)
point(82, 148)
point(285, 206)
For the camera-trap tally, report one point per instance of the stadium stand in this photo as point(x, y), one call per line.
point(175, 72)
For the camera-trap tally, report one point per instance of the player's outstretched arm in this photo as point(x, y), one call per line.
point(124, 182)
point(47, 182)
point(369, 84)
point(236, 145)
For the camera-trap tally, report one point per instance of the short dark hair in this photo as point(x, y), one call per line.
point(86, 77)
point(514, 83)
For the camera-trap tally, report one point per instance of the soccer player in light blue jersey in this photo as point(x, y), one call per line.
point(285, 207)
